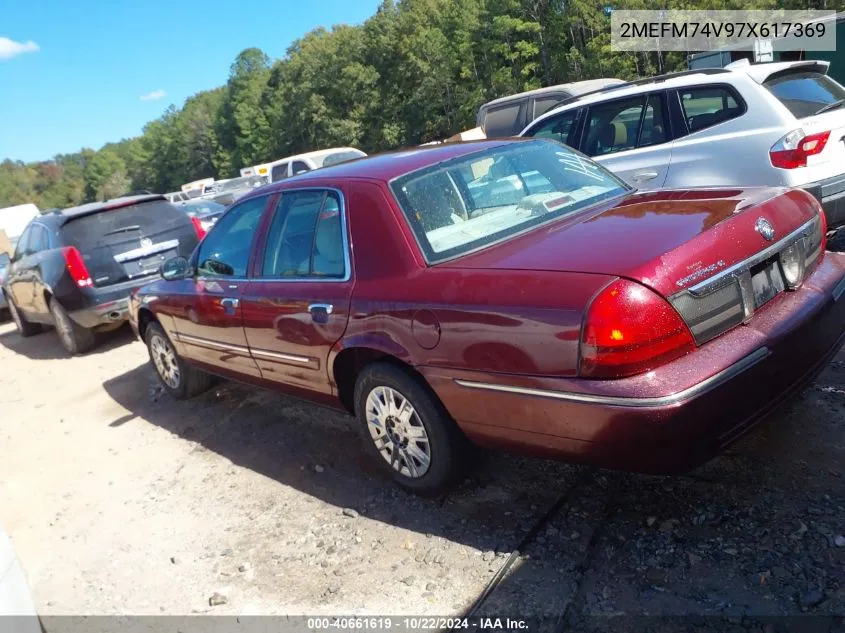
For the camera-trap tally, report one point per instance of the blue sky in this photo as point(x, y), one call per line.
point(73, 74)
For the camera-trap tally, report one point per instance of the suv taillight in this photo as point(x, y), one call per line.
point(793, 149)
point(76, 267)
point(198, 227)
point(630, 329)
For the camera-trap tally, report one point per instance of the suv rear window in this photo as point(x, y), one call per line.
point(132, 241)
point(804, 94)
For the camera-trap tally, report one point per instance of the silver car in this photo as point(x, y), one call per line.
point(776, 124)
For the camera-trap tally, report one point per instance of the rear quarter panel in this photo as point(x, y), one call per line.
point(487, 320)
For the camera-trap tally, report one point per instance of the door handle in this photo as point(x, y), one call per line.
point(642, 176)
point(229, 304)
point(320, 312)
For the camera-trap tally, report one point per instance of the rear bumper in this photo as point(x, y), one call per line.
point(104, 306)
point(673, 418)
point(831, 193)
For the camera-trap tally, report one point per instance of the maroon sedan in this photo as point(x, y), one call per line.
point(509, 294)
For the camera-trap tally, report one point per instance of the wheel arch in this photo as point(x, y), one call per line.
point(145, 317)
point(350, 356)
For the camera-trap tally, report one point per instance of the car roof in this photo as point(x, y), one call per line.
point(387, 166)
point(575, 88)
point(62, 216)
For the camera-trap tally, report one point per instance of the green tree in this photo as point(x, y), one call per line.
point(105, 176)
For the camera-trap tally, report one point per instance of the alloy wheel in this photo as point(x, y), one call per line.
point(398, 432)
point(165, 361)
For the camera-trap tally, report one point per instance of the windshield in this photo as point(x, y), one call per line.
point(473, 201)
point(804, 94)
point(201, 207)
point(240, 183)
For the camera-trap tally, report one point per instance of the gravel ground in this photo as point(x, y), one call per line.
point(121, 500)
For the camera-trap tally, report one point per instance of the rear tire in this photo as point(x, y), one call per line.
point(408, 430)
point(178, 378)
point(74, 338)
point(25, 328)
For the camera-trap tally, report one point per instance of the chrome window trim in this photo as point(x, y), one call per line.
point(618, 401)
point(712, 283)
point(347, 260)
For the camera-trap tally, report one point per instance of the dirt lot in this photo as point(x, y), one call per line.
point(122, 500)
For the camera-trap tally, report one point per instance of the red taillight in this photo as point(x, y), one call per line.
point(792, 150)
point(628, 330)
point(76, 267)
point(198, 227)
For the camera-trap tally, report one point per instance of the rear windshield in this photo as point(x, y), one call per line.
point(114, 226)
point(804, 94)
point(130, 242)
point(470, 202)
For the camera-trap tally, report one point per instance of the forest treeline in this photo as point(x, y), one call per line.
point(415, 71)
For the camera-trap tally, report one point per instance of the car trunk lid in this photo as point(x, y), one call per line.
point(668, 240)
point(130, 242)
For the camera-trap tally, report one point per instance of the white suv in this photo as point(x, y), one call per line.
point(779, 124)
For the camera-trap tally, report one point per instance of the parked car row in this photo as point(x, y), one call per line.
point(507, 293)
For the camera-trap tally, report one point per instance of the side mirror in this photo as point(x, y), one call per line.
point(175, 268)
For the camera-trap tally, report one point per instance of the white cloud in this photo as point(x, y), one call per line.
point(11, 48)
point(154, 95)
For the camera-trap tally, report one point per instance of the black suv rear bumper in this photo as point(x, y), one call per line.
point(831, 193)
point(104, 306)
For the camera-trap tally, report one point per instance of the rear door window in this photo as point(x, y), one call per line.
point(505, 120)
point(613, 126)
point(708, 106)
point(546, 103)
point(306, 237)
point(653, 128)
point(804, 94)
point(130, 242)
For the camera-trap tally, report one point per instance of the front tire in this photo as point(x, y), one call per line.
point(25, 328)
point(74, 338)
point(177, 377)
point(408, 430)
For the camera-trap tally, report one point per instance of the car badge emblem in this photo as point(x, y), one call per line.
point(146, 242)
point(765, 228)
